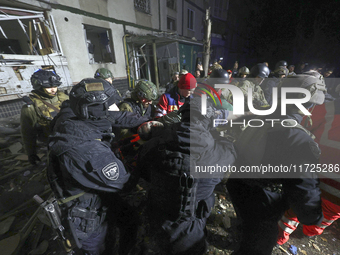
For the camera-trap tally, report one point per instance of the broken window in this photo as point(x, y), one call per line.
point(99, 44)
point(143, 6)
point(171, 24)
point(27, 32)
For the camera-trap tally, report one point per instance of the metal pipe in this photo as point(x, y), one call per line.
point(155, 64)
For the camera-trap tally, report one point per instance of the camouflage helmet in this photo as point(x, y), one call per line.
point(312, 81)
point(146, 89)
point(88, 97)
point(243, 70)
point(281, 70)
point(45, 79)
point(103, 73)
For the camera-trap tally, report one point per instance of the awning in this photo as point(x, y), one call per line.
point(160, 39)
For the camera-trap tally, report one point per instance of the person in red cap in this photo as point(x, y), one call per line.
point(175, 98)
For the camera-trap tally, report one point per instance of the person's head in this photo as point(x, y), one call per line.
point(243, 72)
point(259, 72)
point(182, 72)
point(46, 82)
point(175, 76)
point(197, 73)
point(91, 98)
point(230, 73)
point(103, 73)
point(187, 85)
point(281, 72)
point(291, 68)
point(281, 63)
point(146, 92)
point(219, 76)
point(312, 81)
point(327, 73)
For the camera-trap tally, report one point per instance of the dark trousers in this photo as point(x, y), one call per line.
point(260, 211)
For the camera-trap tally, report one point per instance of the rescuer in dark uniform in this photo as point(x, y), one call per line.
point(179, 204)
point(261, 199)
point(84, 170)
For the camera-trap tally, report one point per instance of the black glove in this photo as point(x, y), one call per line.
point(33, 159)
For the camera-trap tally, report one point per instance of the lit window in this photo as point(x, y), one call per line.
point(191, 18)
point(143, 6)
point(171, 24)
point(99, 44)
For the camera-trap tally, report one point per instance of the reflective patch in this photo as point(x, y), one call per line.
point(94, 86)
point(111, 171)
point(314, 147)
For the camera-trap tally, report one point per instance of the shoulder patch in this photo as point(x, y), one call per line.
point(314, 147)
point(111, 171)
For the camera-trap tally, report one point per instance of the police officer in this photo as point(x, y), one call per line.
point(179, 204)
point(106, 74)
point(84, 169)
point(261, 199)
point(141, 101)
point(42, 105)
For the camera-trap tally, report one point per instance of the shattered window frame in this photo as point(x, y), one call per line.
point(99, 44)
point(27, 32)
point(143, 6)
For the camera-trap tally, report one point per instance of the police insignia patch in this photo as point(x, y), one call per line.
point(111, 171)
point(314, 147)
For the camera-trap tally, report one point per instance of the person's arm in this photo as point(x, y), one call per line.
point(28, 120)
point(124, 119)
point(162, 107)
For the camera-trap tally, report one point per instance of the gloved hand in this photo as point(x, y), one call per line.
point(33, 159)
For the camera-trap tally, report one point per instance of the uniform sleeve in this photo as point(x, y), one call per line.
point(95, 168)
point(124, 119)
point(28, 120)
point(162, 106)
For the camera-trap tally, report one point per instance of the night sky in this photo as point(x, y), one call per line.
point(295, 31)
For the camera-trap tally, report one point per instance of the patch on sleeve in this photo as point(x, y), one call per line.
point(314, 147)
point(111, 171)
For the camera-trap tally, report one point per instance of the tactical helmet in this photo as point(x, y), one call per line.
point(243, 70)
point(260, 70)
point(89, 93)
point(146, 89)
point(103, 73)
point(220, 76)
point(312, 81)
point(45, 79)
point(281, 63)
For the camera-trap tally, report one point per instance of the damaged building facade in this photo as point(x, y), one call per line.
point(134, 39)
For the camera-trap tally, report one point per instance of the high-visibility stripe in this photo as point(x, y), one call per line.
point(285, 228)
point(290, 222)
point(335, 192)
point(327, 221)
point(322, 226)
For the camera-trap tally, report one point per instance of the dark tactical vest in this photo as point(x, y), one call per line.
point(173, 189)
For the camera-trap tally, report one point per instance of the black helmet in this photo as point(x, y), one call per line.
point(45, 79)
point(90, 98)
point(260, 70)
point(220, 76)
point(281, 63)
point(103, 73)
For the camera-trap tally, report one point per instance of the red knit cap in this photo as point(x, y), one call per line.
point(187, 81)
